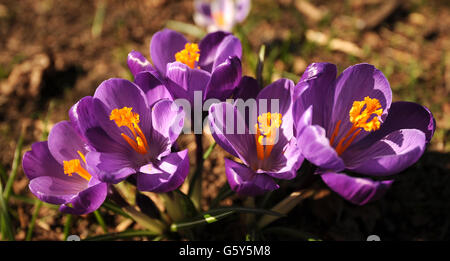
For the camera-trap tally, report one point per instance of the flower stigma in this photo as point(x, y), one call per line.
point(74, 166)
point(266, 133)
point(189, 55)
point(125, 117)
point(363, 115)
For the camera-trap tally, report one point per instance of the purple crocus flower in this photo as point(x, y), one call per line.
point(59, 174)
point(357, 129)
point(265, 143)
point(220, 14)
point(131, 136)
point(213, 66)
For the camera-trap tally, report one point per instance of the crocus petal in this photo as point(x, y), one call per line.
point(244, 181)
point(280, 90)
point(163, 47)
point(82, 116)
point(279, 93)
point(291, 158)
point(216, 47)
point(248, 88)
point(138, 63)
point(55, 190)
point(354, 84)
point(165, 175)
point(64, 142)
point(111, 167)
point(153, 88)
point(39, 162)
point(404, 115)
point(392, 154)
point(230, 131)
point(316, 87)
point(224, 79)
point(302, 118)
point(359, 191)
point(168, 119)
point(184, 81)
point(242, 9)
point(87, 200)
point(229, 47)
point(316, 148)
point(116, 94)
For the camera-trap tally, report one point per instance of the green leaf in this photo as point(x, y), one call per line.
point(120, 235)
point(14, 168)
point(37, 207)
point(215, 215)
point(153, 225)
point(6, 228)
point(178, 205)
point(285, 206)
point(100, 220)
point(67, 226)
point(114, 208)
point(209, 150)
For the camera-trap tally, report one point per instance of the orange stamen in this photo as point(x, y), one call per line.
point(335, 132)
point(359, 114)
point(189, 55)
point(266, 133)
point(125, 117)
point(74, 166)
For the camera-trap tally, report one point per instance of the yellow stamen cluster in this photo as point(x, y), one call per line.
point(74, 166)
point(360, 115)
point(266, 133)
point(125, 117)
point(360, 118)
point(189, 55)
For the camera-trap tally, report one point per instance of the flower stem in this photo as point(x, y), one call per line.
point(67, 226)
point(100, 220)
point(195, 184)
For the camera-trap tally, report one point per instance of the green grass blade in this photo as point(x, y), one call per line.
point(67, 226)
point(215, 215)
point(121, 235)
point(28, 200)
point(100, 220)
point(209, 150)
point(15, 166)
point(114, 208)
point(7, 232)
point(37, 207)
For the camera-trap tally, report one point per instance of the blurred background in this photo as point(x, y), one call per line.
point(53, 52)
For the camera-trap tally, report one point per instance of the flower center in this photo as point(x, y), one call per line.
point(125, 117)
point(219, 18)
point(364, 115)
point(74, 166)
point(266, 133)
point(189, 55)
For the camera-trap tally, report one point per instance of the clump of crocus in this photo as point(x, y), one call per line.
point(357, 129)
point(131, 136)
point(264, 143)
point(59, 174)
point(212, 66)
point(220, 14)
